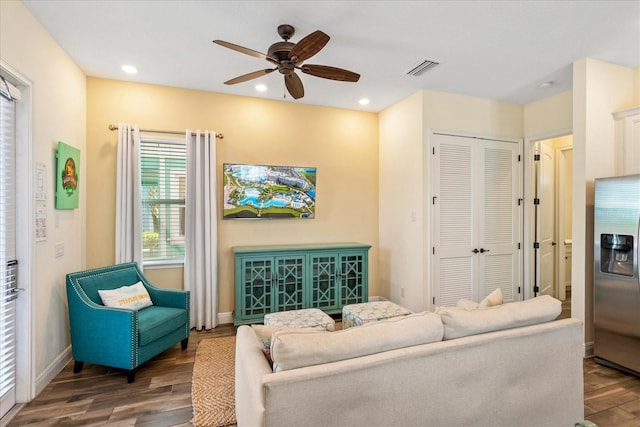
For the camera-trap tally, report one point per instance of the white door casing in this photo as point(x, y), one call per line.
point(477, 218)
point(546, 220)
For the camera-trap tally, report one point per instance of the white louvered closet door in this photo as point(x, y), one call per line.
point(476, 219)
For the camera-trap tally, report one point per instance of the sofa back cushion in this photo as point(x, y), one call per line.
point(459, 322)
point(296, 349)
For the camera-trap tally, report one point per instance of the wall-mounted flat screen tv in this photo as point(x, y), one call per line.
point(262, 191)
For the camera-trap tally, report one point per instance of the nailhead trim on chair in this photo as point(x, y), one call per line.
point(97, 272)
point(134, 315)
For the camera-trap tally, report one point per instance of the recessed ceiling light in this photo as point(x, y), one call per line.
point(364, 101)
point(545, 85)
point(129, 69)
point(261, 87)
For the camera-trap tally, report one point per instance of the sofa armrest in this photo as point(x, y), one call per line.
point(251, 367)
point(92, 325)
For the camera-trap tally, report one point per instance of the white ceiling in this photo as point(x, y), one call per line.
point(500, 50)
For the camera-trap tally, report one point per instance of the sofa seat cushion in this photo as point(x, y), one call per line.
point(459, 322)
point(155, 322)
point(296, 349)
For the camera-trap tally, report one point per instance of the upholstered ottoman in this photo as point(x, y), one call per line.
point(305, 318)
point(359, 314)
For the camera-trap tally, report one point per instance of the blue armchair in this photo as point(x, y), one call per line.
point(118, 337)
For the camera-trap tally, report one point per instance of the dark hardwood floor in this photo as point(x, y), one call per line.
point(161, 394)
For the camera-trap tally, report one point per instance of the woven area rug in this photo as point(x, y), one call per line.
point(212, 390)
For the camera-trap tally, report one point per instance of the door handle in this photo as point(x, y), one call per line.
point(14, 294)
point(475, 251)
point(483, 250)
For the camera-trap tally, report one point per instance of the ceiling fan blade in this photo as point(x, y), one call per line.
point(331, 73)
point(245, 50)
point(308, 46)
point(249, 76)
point(294, 85)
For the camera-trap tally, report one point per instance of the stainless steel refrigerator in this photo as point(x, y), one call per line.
point(617, 287)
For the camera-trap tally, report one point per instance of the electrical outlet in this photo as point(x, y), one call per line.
point(59, 250)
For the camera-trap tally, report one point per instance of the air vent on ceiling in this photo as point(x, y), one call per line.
point(422, 67)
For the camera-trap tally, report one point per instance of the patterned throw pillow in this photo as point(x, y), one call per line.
point(134, 297)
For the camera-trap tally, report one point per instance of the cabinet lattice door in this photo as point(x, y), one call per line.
point(352, 279)
point(279, 278)
point(323, 281)
point(289, 283)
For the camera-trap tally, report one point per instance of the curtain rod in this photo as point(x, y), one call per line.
point(170, 132)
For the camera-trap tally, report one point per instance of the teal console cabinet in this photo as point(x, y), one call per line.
point(290, 277)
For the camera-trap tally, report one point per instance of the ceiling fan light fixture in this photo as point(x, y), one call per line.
point(422, 67)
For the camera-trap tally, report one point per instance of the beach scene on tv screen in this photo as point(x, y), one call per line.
point(260, 191)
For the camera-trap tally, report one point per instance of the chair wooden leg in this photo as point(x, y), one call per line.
point(184, 343)
point(77, 366)
point(131, 376)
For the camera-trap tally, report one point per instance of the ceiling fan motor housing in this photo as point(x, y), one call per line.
point(280, 52)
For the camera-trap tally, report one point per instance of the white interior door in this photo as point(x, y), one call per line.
point(455, 220)
point(476, 218)
point(500, 220)
point(546, 213)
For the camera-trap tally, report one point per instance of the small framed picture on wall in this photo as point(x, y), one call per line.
point(67, 176)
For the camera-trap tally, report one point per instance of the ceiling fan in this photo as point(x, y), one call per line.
point(288, 56)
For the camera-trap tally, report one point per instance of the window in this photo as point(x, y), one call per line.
point(164, 185)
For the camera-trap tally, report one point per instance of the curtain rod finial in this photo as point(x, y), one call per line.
point(113, 127)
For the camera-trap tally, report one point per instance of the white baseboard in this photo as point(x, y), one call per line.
point(52, 370)
point(225, 318)
point(588, 349)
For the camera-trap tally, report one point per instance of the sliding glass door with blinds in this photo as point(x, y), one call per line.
point(8, 262)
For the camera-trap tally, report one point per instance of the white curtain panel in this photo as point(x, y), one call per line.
point(128, 211)
point(201, 234)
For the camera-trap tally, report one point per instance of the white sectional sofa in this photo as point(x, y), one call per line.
point(509, 365)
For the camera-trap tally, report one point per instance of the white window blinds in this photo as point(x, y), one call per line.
point(8, 261)
point(164, 183)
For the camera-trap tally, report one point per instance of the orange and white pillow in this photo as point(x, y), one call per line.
point(133, 297)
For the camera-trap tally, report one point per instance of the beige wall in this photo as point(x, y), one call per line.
point(58, 113)
point(599, 89)
point(400, 209)
point(548, 116)
point(342, 144)
point(404, 167)
point(636, 86)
